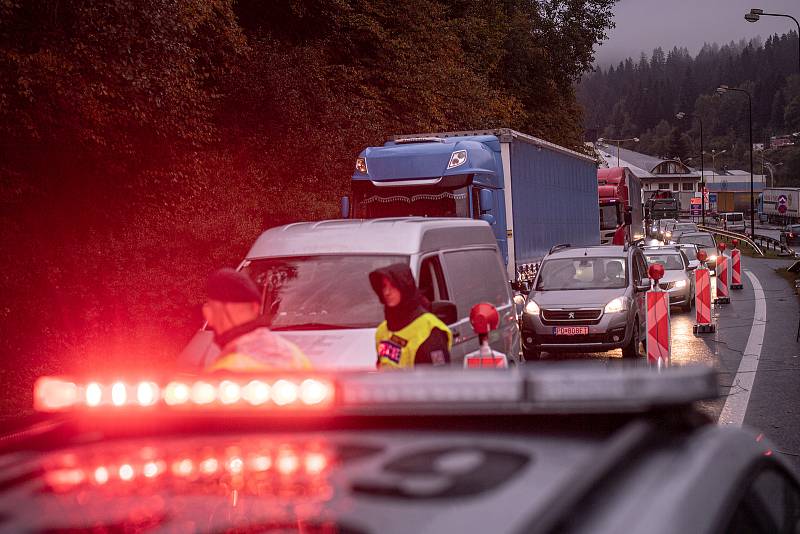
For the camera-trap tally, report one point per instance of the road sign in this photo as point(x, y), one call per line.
point(695, 200)
point(695, 210)
point(712, 197)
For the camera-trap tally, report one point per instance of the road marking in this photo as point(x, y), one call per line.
point(739, 395)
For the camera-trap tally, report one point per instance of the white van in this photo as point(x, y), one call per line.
point(733, 221)
point(314, 277)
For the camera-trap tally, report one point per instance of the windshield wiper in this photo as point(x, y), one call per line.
point(318, 326)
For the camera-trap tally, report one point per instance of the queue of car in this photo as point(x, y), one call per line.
point(559, 448)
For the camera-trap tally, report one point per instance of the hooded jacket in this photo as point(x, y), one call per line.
point(435, 349)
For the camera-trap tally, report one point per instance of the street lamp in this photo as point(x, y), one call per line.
point(618, 141)
point(680, 115)
point(721, 90)
point(755, 14)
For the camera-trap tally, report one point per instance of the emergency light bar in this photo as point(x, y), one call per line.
point(564, 388)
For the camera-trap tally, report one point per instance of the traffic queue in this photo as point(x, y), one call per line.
point(378, 375)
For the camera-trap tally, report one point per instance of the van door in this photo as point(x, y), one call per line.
point(473, 276)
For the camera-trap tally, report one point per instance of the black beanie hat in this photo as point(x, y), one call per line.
point(228, 285)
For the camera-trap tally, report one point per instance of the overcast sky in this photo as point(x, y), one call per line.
point(645, 24)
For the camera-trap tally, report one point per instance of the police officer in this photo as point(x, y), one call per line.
point(248, 345)
point(410, 335)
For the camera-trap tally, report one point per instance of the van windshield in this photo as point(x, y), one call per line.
point(320, 292)
point(582, 273)
point(734, 217)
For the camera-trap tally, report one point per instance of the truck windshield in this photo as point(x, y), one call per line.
point(609, 217)
point(371, 202)
point(320, 292)
point(582, 273)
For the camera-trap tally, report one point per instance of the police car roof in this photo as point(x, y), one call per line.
point(485, 473)
point(398, 236)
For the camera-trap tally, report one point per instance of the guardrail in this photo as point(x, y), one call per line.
point(734, 235)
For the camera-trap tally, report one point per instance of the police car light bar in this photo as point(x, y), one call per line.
point(563, 388)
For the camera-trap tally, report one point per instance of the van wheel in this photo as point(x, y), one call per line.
point(631, 350)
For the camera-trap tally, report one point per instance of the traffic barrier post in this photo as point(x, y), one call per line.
point(702, 296)
point(723, 293)
point(658, 329)
point(736, 264)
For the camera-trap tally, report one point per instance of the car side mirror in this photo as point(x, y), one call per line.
point(521, 286)
point(691, 267)
point(445, 310)
point(628, 218)
point(643, 286)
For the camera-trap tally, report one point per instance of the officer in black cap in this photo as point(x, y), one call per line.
point(248, 345)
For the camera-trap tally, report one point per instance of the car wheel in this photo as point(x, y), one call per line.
point(631, 350)
point(531, 355)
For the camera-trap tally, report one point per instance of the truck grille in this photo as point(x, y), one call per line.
point(666, 285)
point(571, 316)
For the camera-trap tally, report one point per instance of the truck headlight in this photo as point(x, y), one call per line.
point(457, 158)
point(532, 308)
point(361, 165)
point(617, 305)
point(680, 284)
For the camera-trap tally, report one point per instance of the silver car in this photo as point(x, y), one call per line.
point(677, 280)
point(587, 299)
point(704, 241)
point(681, 228)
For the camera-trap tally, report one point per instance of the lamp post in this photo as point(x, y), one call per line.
point(722, 89)
point(755, 14)
point(618, 141)
point(680, 115)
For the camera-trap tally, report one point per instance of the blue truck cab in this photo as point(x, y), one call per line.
point(533, 193)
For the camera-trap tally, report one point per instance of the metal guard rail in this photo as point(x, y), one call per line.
point(734, 235)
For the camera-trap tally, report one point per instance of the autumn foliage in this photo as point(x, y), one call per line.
point(144, 144)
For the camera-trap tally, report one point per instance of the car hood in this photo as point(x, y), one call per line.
point(577, 298)
point(673, 276)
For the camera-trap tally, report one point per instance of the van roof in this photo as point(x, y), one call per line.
point(400, 236)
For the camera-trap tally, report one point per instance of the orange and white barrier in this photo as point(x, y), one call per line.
point(702, 284)
point(658, 328)
point(736, 263)
point(723, 277)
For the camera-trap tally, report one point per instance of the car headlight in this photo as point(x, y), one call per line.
point(668, 234)
point(617, 305)
point(680, 284)
point(532, 308)
point(712, 258)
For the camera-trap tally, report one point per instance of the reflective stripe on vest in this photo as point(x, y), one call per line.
point(398, 349)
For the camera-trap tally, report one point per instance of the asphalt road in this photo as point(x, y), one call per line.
point(773, 390)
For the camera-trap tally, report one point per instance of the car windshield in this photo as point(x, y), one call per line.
point(608, 217)
point(685, 227)
point(582, 273)
point(320, 292)
point(703, 240)
point(670, 262)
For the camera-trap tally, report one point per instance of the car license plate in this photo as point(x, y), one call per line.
point(570, 330)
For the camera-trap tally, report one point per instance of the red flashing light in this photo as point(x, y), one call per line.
point(701, 255)
point(55, 394)
point(656, 271)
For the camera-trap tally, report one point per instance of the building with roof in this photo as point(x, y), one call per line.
point(733, 186)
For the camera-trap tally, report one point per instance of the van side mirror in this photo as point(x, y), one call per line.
point(445, 310)
point(345, 205)
point(628, 218)
point(488, 217)
point(486, 200)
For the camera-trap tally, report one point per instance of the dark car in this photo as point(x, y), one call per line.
point(563, 448)
point(790, 235)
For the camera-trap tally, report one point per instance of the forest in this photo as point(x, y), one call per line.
point(641, 99)
point(145, 144)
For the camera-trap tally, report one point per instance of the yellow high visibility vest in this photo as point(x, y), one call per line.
point(398, 349)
